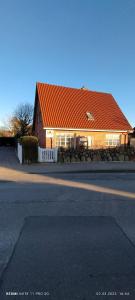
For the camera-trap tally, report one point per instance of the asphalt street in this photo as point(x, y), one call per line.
point(51, 191)
point(70, 258)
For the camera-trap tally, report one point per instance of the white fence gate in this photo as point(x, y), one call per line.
point(47, 154)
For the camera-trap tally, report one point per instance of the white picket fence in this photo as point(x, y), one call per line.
point(44, 154)
point(47, 154)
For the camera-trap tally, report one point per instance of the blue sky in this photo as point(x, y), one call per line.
point(67, 42)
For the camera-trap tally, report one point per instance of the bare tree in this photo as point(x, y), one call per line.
point(21, 121)
point(1, 133)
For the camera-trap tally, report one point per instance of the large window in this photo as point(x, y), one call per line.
point(64, 140)
point(112, 140)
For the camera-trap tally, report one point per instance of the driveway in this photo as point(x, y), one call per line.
point(8, 156)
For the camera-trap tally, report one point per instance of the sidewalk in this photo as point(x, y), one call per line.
point(36, 172)
point(43, 168)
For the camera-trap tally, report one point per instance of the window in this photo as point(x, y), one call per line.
point(90, 116)
point(112, 140)
point(64, 140)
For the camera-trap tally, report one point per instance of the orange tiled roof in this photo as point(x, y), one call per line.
point(63, 107)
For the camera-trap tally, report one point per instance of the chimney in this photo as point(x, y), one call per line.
point(84, 88)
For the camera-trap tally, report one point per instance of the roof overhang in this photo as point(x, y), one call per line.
point(86, 129)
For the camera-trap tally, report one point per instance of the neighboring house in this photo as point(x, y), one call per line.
point(70, 117)
point(132, 138)
point(5, 132)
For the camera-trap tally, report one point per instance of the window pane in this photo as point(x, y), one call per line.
point(63, 140)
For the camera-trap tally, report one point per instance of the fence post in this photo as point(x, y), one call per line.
point(20, 153)
point(39, 154)
point(55, 154)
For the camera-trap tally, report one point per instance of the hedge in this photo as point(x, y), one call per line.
point(121, 153)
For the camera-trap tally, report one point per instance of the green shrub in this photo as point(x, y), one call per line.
point(30, 148)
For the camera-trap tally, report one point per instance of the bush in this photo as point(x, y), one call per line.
point(30, 148)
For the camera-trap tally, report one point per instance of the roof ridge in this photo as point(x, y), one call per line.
point(73, 88)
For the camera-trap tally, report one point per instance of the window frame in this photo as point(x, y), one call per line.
point(112, 140)
point(65, 140)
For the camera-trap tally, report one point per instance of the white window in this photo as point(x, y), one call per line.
point(90, 141)
point(112, 140)
point(64, 140)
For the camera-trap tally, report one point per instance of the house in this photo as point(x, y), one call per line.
point(71, 117)
point(132, 138)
